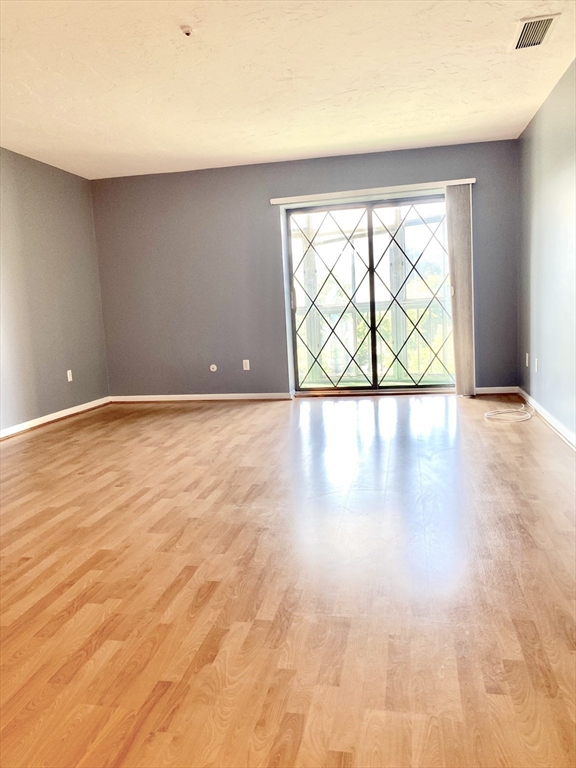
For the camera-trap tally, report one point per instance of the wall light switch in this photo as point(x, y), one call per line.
point(536, 364)
point(527, 360)
point(69, 374)
point(246, 365)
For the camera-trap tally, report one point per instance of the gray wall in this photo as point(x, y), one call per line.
point(548, 279)
point(191, 265)
point(50, 292)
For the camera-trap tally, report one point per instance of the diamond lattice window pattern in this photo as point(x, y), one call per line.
point(372, 280)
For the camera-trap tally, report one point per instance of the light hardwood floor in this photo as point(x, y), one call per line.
point(327, 582)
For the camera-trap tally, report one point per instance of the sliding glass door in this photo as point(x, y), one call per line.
point(371, 296)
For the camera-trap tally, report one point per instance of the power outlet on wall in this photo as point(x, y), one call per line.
point(536, 364)
point(69, 375)
point(246, 365)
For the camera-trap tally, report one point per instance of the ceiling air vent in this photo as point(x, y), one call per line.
point(533, 32)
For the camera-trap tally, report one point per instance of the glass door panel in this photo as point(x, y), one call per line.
point(332, 298)
point(412, 295)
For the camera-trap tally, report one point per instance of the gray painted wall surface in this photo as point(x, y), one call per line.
point(548, 253)
point(50, 292)
point(191, 265)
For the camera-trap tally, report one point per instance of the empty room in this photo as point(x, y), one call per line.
point(288, 384)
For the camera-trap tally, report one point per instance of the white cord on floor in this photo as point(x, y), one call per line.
point(510, 414)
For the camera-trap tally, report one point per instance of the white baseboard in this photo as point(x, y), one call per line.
point(496, 390)
point(174, 398)
point(25, 425)
point(566, 434)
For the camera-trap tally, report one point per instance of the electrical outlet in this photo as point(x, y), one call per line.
point(246, 365)
point(69, 374)
point(213, 367)
point(527, 360)
point(536, 364)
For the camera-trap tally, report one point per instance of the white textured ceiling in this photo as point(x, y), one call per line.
point(113, 87)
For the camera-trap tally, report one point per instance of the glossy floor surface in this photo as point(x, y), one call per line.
point(327, 582)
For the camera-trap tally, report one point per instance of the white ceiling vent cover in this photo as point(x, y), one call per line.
point(532, 32)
